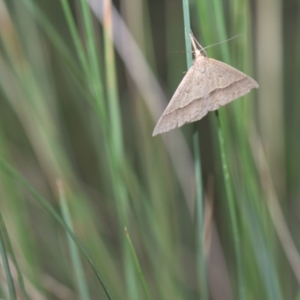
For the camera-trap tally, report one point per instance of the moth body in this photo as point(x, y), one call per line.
point(208, 85)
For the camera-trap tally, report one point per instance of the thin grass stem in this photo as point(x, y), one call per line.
point(201, 266)
point(8, 169)
point(232, 210)
point(14, 259)
point(10, 280)
point(137, 265)
point(75, 258)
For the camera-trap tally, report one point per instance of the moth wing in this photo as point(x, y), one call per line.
point(227, 84)
point(208, 85)
point(179, 109)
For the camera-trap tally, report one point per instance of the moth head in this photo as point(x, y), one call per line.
point(197, 51)
point(200, 52)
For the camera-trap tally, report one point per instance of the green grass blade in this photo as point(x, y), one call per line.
point(60, 45)
point(221, 28)
point(116, 144)
point(14, 259)
point(111, 86)
point(6, 168)
point(10, 281)
point(137, 265)
point(76, 262)
point(94, 63)
point(200, 230)
point(75, 35)
point(187, 31)
point(232, 210)
point(262, 253)
point(201, 266)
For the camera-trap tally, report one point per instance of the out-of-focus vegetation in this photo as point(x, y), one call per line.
point(92, 206)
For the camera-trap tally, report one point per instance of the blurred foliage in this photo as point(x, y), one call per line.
point(82, 84)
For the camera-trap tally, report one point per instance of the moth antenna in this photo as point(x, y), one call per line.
point(222, 41)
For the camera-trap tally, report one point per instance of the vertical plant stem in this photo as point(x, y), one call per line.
point(187, 31)
point(137, 265)
point(197, 165)
point(221, 28)
point(74, 253)
point(9, 246)
point(10, 281)
point(7, 168)
point(75, 36)
point(116, 144)
point(94, 62)
point(202, 272)
point(111, 81)
point(233, 218)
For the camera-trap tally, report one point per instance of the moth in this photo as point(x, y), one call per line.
point(207, 85)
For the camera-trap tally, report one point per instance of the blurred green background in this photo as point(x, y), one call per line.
point(207, 211)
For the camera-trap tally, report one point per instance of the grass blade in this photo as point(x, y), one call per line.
point(232, 210)
point(12, 172)
point(10, 281)
point(201, 266)
point(137, 265)
point(77, 265)
point(14, 259)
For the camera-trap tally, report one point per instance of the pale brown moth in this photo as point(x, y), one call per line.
point(207, 85)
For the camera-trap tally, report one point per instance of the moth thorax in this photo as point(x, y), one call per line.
point(197, 53)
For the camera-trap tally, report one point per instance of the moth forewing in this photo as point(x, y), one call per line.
point(207, 85)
